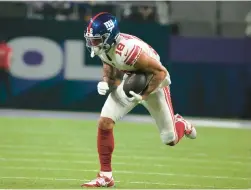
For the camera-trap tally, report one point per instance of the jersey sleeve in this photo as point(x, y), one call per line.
point(130, 53)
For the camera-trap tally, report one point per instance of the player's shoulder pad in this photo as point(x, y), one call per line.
point(127, 52)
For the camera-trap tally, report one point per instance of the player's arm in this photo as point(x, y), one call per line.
point(108, 74)
point(111, 75)
point(151, 66)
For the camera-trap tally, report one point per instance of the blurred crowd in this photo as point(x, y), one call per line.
point(141, 11)
point(230, 19)
point(138, 11)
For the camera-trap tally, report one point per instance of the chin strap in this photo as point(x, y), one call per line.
point(92, 53)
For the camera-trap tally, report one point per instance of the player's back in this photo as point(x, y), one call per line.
point(137, 41)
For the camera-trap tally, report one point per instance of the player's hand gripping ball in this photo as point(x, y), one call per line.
point(136, 82)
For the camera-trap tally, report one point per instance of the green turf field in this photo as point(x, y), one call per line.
point(54, 153)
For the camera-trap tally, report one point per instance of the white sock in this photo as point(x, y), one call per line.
point(106, 174)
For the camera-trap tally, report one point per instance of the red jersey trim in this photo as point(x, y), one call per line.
point(133, 55)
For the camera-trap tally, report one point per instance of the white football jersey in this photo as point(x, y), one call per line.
point(125, 53)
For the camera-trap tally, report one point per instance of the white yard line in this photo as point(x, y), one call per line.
point(131, 172)
point(133, 157)
point(202, 122)
point(131, 182)
point(203, 167)
point(136, 150)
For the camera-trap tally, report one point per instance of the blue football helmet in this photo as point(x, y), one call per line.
point(102, 31)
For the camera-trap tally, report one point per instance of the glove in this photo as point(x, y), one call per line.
point(103, 88)
point(135, 97)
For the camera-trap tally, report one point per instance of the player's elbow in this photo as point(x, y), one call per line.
point(162, 74)
point(159, 74)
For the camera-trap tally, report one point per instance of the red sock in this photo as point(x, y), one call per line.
point(105, 143)
point(180, 129)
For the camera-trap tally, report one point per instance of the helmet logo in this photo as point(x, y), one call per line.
point(109, 25)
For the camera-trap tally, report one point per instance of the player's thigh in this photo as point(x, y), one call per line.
point(160, 107)
point(117, 105)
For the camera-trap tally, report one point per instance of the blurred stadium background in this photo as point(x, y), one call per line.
point(47, 119)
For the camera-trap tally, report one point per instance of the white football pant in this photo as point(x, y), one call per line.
point(158, 104)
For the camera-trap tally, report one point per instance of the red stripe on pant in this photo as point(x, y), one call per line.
point(179, 126)
point(169, 104)
point(169, 101)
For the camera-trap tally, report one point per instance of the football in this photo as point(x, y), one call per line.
point(136, 82)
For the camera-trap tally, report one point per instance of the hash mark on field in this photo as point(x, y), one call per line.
point(54, 153)
point(130, 172)
point(114, 163)
point(132, 182)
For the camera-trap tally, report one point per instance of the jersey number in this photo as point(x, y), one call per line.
point(119, 48)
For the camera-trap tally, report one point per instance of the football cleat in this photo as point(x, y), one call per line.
point(100, 181)
point(190, 130)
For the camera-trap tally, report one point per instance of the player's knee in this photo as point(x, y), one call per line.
point(105, 123)
point(168, 138)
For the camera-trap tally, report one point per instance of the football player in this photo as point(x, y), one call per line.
point(127, 53)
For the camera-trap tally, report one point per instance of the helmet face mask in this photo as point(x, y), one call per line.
point(93, 41)
point(101, 33)
point(97, 44)
point(97, 40)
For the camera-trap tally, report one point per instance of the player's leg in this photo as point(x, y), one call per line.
point(182, 126)
point(115, 107)
point(171, 127)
